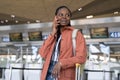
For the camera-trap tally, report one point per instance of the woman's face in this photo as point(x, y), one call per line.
point(63, 16)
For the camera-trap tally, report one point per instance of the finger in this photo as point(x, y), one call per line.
point(58, 74)
point(57, 20)
point(54, 74)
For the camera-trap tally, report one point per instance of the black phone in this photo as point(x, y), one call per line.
point(58, 31)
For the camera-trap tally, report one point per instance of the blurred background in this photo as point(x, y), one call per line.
point(25, 24)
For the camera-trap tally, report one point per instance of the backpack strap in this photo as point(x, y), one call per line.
point(74, 34)
point(79, 67)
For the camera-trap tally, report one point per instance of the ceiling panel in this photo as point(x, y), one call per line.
point(43, 10)
point(98, 8)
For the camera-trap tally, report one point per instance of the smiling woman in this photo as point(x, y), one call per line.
point(57, 49)
point(63, 15)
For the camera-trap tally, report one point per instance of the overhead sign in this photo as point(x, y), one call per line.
point(114, 34)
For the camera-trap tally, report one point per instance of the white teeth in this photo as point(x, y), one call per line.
point(64, 21)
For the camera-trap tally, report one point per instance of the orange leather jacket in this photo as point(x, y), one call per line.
point(66, 56)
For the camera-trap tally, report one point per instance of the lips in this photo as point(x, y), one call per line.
point(64, 21)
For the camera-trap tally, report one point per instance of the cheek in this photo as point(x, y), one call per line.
point(68, 20)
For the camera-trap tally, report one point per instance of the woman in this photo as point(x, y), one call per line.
point(57, 49)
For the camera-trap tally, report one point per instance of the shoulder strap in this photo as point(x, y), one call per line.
point(81, 66)
point(74, 34)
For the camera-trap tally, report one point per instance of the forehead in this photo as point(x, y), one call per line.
point(63, 10)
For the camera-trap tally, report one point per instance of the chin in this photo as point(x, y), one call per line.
point(64, 24)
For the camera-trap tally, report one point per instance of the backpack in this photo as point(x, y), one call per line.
point(79, 67)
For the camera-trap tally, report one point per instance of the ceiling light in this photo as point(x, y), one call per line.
point(116, 12)
point(12, 16)
point(16, 21)
point(90, 16)
point(2, 21)
point(37, 21)
point(28, 22)
point(79, 9)
point(6, 20)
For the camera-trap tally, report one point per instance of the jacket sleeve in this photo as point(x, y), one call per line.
point(46, 47)
point(81, 53)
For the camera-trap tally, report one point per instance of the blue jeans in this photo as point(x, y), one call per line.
point(49, 73)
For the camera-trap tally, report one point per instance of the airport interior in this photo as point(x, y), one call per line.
point(26, 24)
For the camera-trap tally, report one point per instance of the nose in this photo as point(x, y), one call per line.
point(65, 16)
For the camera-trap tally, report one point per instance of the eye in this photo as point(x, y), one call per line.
point(67, 15)
point(64, 15)
point(60, 15)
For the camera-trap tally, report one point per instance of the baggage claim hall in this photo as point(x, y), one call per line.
point(26, 24)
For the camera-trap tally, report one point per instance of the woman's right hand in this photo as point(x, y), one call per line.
point(55, 25)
